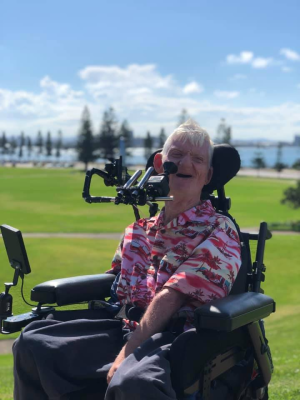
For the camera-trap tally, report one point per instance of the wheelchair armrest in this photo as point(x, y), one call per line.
point(233, 311)
point(73, 290)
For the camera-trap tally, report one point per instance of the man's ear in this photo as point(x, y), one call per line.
point(209, 175)
point(158, 164)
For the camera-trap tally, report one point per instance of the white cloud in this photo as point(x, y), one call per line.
point(247, 57)
point(115, 81)
point(193, 87)
point(225, 94)
point(141, 94)
point(290, 54)
point(238, 77)
point(244, 57)
point(54, 97)
point(56, 89)
point(261, 62)
point(55, 107)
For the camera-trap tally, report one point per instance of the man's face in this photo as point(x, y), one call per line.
point(193, 172)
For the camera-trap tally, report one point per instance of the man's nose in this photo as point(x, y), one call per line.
point(186, 159)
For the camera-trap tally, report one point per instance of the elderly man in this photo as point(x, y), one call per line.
point(166, 265)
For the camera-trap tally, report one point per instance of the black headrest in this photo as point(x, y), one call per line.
point(226, 163)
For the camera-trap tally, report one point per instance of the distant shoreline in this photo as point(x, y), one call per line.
point(271, 154)
point(287, 173)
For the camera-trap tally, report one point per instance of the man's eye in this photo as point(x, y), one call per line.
point(198, 160)
point(176, 154)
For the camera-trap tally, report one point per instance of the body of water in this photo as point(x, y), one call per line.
point(289, 154)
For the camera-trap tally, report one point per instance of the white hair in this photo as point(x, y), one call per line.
point(190, 132)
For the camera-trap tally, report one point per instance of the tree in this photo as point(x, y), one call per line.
point(227, 135)
point(258, 161)
point(296, 164)
point(292, 196)
point(3, 143)
point(48, 145)
point(29, 146)
point(13, 145)
point(161, 138)
point(39, 142)
point(183, 117)
point(86, 142)
point(107, 139)
point(279, 165)
point(148, 144)
point(223, 132)
point(22, 143)
point(126, 133)
point(58, 144)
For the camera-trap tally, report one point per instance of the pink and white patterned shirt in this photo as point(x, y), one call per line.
point(197, 253)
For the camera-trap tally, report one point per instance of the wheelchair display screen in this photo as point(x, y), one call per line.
point(15, 248)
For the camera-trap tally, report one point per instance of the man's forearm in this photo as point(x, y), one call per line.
point(155, 319)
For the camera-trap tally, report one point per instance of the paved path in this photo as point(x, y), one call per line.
point(73, 235)
point(5, 346)
point(117, 236)
point(270, 173)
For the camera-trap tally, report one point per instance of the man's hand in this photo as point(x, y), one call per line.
point(118, 361)
point(155, 319)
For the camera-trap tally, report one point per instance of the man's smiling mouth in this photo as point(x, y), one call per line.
point(183, 176)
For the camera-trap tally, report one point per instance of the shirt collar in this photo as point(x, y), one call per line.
point(194, 214)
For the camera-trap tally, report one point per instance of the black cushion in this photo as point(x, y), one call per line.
point(219, 326)
point(234, 311)
point(226, 163)
point(73, 290)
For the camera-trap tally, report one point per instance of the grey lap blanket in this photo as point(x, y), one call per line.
point(69, 358)
point(54, 358)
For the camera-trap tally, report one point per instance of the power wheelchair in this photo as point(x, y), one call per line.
point(226, 355)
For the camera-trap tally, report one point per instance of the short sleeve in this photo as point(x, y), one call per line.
point(117, 259)
point(212, 267)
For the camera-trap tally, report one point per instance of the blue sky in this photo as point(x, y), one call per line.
point(234, 60)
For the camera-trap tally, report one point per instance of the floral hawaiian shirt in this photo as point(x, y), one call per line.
point(197, 253)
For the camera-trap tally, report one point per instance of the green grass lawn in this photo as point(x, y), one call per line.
point(283, 327)
point(66, 257)
point(6, 388)
point(39, 200)
point(258, 199)
point(57, 258)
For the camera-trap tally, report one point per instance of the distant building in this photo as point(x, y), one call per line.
point(297, 140)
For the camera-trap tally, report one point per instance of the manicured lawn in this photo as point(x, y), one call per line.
point(282, 283)
point(65, 257)
point(6, 366)
point(39, 200)
point(258, 199)
point(57, 258)
point(49, 259)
